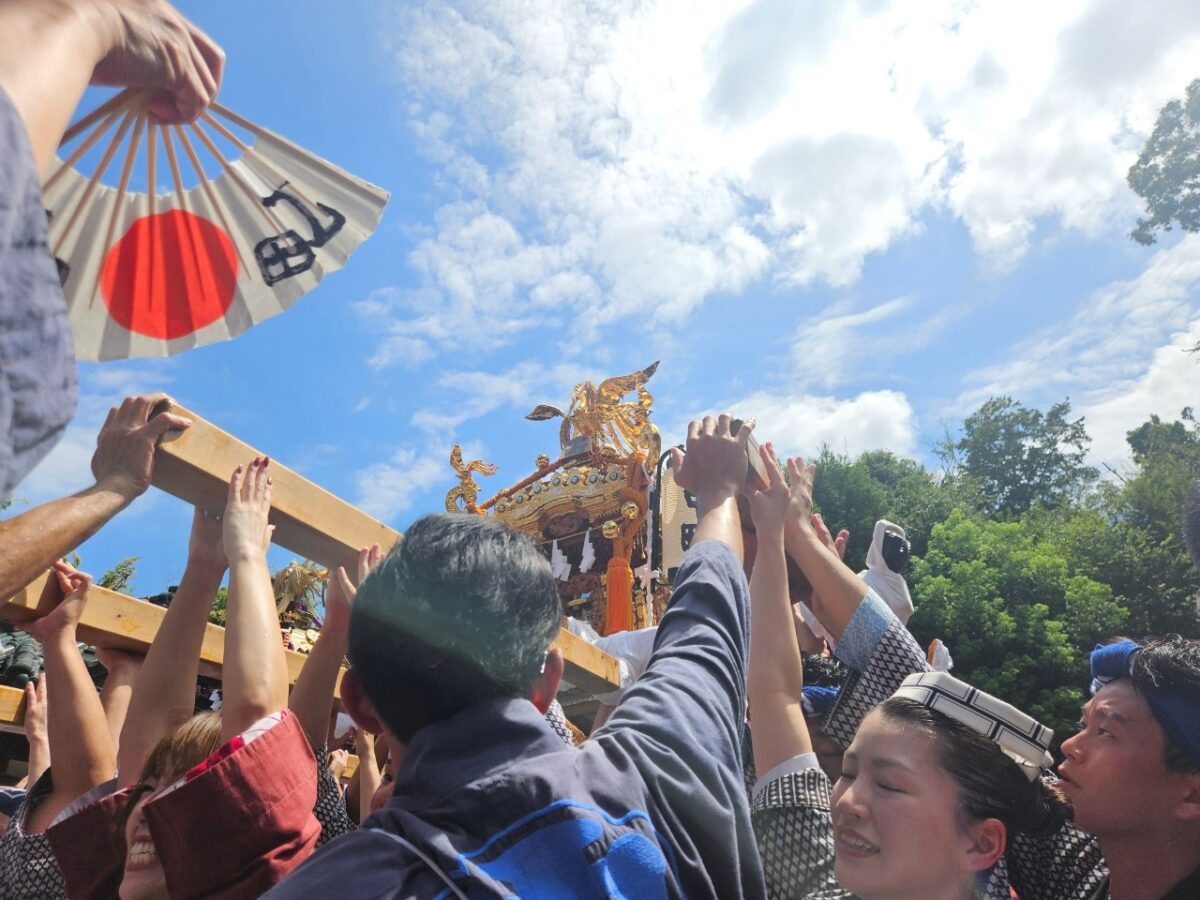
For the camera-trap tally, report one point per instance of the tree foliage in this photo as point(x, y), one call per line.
point(1020, 458)
point(1023, 557)
point(1167, 173)
point(120, 577)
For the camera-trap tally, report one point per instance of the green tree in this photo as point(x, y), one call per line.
point(220, 607)
point(1017, 621)
point(1167, 173)
point(855, 493)
point(1019, 457)
point(1133, 539)
point(120, 577)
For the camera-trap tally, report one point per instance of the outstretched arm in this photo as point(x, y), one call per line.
point(122, 465)
point(165, 692)
point(79, 740)
point(775, 677)
point(51, 49)
point(254, 677)
point(118, 687)
point(837, 591)
point(35, 730)
point(312, 696)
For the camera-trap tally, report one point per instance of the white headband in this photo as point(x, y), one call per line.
point(1022, 738)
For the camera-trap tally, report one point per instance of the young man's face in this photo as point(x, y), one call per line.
point(1115, 773)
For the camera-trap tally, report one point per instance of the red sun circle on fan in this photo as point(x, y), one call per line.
point(169, 275)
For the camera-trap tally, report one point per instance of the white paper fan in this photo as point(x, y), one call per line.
point(152, 274)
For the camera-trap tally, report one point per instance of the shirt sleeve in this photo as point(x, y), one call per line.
point(89, 845)
point(1064, 865)
point(38, 381)
point(794, 831)
point(692, 697)
point(881, 653)
point(260, 797)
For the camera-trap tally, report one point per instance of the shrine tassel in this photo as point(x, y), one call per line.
point(618, 615)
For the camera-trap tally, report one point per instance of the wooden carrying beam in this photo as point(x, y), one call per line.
point(125, 623)
point(12, 709)
point(195, 465)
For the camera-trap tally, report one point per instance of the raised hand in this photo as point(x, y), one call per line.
point(339, 595)
point(836, 544)
point(206, 545)
point(769, 508)
point(244, 529)
point(124, 457)
point(64, 618)
point(800, 484)
point(150, 45)
point(35, 711)
point(714, 466)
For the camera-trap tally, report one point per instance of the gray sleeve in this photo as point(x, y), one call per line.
point(892, 657)
point(1064, 865)
point(794, 831)
point(38, 387)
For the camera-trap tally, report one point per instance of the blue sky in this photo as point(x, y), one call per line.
point(853, 221)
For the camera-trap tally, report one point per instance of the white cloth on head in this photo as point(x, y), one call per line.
point(890, 586)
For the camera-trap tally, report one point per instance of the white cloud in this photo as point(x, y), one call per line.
point(1107, 342)
point(1120, 357)
point(384, 490)
point(798, 423)
point(1167, 386)
point(477, 393)
point(633, 158)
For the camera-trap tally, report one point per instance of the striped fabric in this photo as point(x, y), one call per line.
point(1021, 737)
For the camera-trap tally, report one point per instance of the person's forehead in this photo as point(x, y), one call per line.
point(1120, 702)
point(882, 739)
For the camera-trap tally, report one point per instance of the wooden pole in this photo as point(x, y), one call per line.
point(126, 623)
point(12, 709)
point(195, 466)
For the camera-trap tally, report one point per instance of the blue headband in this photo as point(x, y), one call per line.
point(1176, 707)
point(818, 701)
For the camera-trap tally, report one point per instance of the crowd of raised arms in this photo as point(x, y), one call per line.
point(784, 735)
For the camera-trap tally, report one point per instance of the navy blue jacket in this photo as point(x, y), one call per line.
point(652, 806)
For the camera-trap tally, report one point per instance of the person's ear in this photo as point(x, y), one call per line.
point(358, 705)
point(545, 689)
point(986, 840)
point(1188, 807)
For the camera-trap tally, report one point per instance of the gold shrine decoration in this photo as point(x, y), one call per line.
point(462, 498)
point(601, 414)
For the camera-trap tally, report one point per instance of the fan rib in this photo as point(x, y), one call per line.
point(83, 148)
point(271, 175)
point(118, 210)
point(93, 181)
point(206, 184)
point(151, 168)
point(255, 201)
point(112, 105)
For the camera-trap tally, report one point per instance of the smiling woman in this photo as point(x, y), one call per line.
point(926, 804)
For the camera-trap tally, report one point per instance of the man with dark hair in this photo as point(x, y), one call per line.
point(1132, 772)
point(450, 641)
